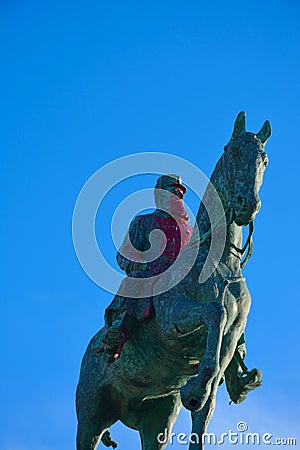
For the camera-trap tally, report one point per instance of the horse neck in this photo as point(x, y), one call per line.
point(230, 255)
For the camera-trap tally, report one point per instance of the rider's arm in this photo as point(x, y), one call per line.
point(128, 256)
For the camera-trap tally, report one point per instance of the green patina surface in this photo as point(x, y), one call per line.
point(194, 337)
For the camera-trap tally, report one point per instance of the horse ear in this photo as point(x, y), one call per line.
point(240, 124)
point(265, 132)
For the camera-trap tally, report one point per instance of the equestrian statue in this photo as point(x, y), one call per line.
point(163, 348)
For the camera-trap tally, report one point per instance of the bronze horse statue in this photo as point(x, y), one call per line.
point(182, 354)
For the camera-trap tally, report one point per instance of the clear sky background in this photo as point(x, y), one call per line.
point(83, 83)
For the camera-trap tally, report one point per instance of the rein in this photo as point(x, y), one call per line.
point(214, 227)
point(249, 244)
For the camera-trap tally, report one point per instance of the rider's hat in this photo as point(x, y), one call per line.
point(170, 180)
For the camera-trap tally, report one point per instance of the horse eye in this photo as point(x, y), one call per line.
point(236, 152)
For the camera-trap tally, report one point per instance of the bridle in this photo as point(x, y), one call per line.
point(229, 176)
point(249, 241)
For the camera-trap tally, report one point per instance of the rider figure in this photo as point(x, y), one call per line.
point(123, 313)
point(172, 219)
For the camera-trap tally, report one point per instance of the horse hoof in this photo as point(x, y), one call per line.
point(244, 385)
point(193, 398)
point(194, 404)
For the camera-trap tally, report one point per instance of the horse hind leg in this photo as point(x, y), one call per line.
point(157, 418)
point(91, 430)
point(94, 419)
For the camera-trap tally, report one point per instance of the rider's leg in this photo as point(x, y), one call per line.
point(116, 337)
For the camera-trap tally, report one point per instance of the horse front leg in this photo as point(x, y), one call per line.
point(202, 417)
point(200, 421)
point(181, 318)
point(195, 393)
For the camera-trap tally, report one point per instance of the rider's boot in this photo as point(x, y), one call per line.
point(115, 338)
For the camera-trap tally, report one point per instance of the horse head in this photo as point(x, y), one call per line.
point(244, 163)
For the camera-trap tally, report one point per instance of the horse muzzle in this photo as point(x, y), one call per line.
point(245, 212)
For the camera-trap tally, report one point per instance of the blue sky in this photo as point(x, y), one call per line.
point(83, 83)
